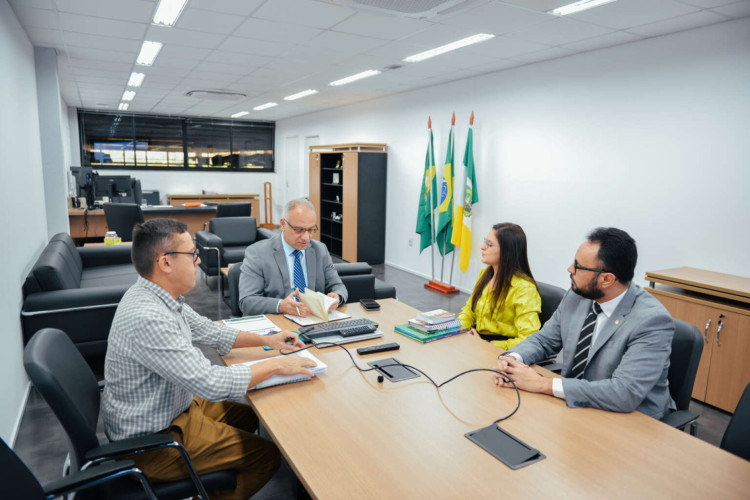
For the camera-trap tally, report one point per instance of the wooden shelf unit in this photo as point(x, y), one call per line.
point(719, 305)
point(361, 192)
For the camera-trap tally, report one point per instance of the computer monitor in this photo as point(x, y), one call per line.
point(114, 187)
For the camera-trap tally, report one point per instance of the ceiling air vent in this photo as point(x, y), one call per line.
point(216, 95)
point(418, 9)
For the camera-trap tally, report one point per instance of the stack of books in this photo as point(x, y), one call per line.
point(431, 325)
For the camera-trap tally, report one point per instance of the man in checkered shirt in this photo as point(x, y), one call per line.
point(157, 380)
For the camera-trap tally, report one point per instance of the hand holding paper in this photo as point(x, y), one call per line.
point(318, 303)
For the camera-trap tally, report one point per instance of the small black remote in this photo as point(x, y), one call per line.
point(393, 346)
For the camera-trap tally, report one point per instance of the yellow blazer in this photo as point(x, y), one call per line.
point(517, 318)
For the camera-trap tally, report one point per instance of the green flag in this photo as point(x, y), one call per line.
point(462, 221)
point(445, 213)
point(427, 203)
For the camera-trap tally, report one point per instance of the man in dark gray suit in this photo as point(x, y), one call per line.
point(276, 270)
point(615, 337)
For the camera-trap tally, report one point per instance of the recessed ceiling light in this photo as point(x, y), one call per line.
point(241, 113)
point(300, 95)
point(481, 37)
point(574, 7)
point(128, 95)
point(136, 79)
point(123, 106)
point(354, 78)
point(265, 106)
point(148, 53)
point(168, 11)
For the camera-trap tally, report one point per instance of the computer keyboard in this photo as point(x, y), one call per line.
point(346, 328)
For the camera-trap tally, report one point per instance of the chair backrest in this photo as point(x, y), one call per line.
point(687, 345)
point(234, 209)
point(18, 482)
point(234, 231)
point(122, 218)
point(737, 436)
point(137, 191)
point(551, 297)
point(67, 384)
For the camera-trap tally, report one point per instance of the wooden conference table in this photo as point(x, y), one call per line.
point(347, 436)
point(194, 217)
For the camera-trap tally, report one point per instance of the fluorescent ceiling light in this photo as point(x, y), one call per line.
point(136, 79)
point(574, 7)
point(265, 106)
point(241, 113)
point(168, 11)
point(354, 78)
point(148, 53)
point(481, 37)
point(299, 95)
point(128, 95)
point(123, 106)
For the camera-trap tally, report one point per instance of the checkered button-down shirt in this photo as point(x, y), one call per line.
point(153, 369)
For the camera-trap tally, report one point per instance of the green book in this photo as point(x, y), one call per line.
point(425, 337)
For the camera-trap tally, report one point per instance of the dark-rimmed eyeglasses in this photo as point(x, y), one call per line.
point(576, 268)
point(300, 230)
point(194, 253)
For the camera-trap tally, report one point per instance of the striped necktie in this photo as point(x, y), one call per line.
point(584, 342)
point(299, 276)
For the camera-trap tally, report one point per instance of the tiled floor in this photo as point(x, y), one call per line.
point(41, 442)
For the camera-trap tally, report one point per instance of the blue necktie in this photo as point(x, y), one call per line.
point(299, 276)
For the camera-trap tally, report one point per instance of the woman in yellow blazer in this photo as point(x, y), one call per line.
point(505, 304)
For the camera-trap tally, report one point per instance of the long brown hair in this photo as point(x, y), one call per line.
point(513, 260)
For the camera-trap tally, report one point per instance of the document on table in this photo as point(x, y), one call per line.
point(319, 367)
point(259, 324)
point(314, 320)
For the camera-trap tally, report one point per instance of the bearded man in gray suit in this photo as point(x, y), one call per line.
point(616, 338)
point(275, 271)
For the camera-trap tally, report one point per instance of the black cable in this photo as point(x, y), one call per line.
point(437, 386)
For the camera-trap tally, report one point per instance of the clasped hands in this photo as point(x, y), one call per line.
point(291, 305)
point(522, 375)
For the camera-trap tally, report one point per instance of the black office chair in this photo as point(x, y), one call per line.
point(687, 345)
point(137, 191)
point(737, 436)
point(122, 218)
point(19, 483)
point(234, 209)
point(65, 381)
point(225, 242)
point(551, 296)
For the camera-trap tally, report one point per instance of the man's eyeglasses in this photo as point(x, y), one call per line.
point(300, 230)
point(576, 268)
point(194, 253)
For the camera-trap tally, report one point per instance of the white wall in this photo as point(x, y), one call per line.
point(24, 222)
point(651, 137)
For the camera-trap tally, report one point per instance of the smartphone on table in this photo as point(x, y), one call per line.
point(369, 304)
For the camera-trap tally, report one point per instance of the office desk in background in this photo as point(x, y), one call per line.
point(253, 199)
point(347, 436)
point(194, 217)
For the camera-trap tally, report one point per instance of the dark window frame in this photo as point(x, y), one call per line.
point(228, 125)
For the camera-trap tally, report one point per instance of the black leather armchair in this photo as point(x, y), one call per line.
point(225, 242)
point(77, 290)
point(122, 218)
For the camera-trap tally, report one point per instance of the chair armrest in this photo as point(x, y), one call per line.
point(82, 479)
point(207, 239)
point(105, 255)
point(680, 418)
point(128, 447)
point(263, 234)
point(75, 298)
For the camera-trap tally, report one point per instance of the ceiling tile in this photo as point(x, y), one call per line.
point(102, 42)
point(496, 18)
point(37, 18)
point(560, 31)
point(186, 38)
point(438, 35)
point(689, 21)
point(260, 29)
point(737, 10)
point(237, 58)
point(211, 22)
point(381, 26)
point(504, 47)
point(625, 14)
point(345, 42)
point(36, 4)
point(100, 26)
point(315, 14)
point(708, 4)
point(171, 51)
point(250, 46)
point(42, 37)
point(95, 55)
point(600, 42)
point(543, 55)
point(218, 69)
point(131, 10)
point(239, 7)
point(102, 65)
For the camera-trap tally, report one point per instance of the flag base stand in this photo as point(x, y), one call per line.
point(441, 287)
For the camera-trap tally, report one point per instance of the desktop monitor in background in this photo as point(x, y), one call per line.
point(118, 188)
point(85, 179)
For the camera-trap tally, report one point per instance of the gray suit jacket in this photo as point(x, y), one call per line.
point(265, 276)
point(628, 363)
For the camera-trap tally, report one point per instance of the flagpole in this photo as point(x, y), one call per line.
point(430, 195)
